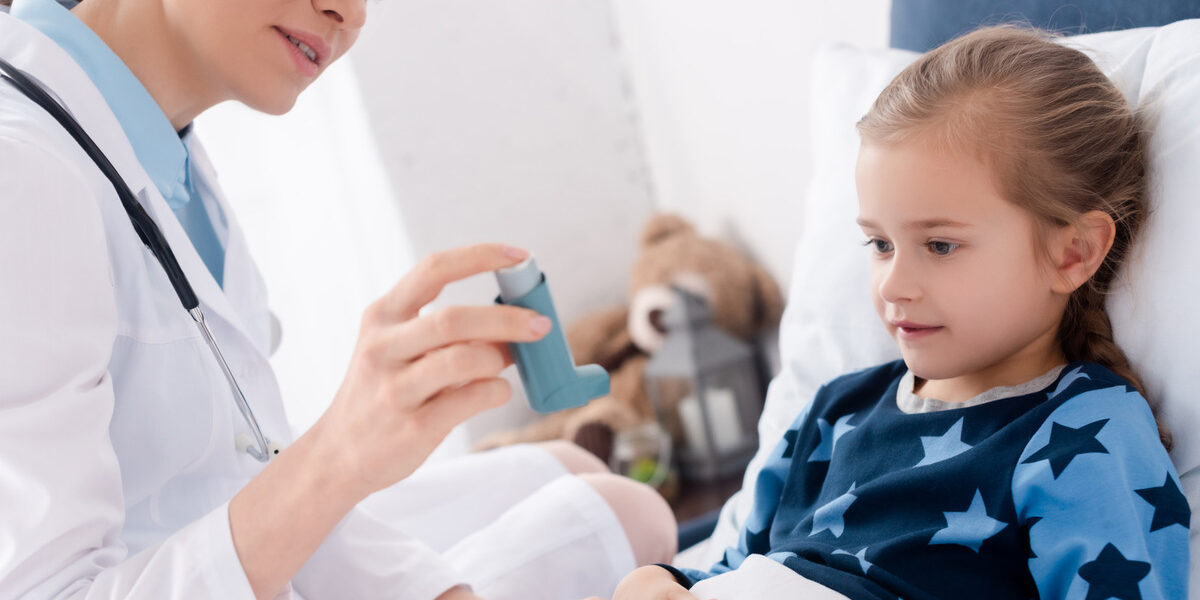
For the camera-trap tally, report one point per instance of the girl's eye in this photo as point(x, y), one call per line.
point(941, 248)
point(879, 246)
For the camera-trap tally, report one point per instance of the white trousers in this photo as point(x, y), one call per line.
point(514, 523)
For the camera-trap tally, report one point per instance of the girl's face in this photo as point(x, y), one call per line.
point(263, 52)
point(957, 274)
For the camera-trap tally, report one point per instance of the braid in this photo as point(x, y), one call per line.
point(1086, 334)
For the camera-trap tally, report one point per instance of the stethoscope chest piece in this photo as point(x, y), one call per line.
point(244, 443)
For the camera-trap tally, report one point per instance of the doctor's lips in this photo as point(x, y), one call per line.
point(311, 46)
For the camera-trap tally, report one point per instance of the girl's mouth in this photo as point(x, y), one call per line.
point(913, 331)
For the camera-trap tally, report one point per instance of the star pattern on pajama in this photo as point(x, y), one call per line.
point(945, 446)
point(1066, 382)
point(861, 555)
point(1029, 523)
point(790, 437)
point(1170, 505)
point(968, 528)
point(759, 541)
point(1068, 442)
point(829, 437)
point(1112, 575)
point(832, 516)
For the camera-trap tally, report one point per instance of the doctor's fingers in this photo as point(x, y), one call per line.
point(405, 341)
point(451, 407)
point(426, 280)
point(448, 367)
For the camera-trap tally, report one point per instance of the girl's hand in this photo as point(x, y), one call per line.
point(651, 583)
point(413, 377)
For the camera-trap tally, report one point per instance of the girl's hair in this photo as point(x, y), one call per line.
point(1060, 140)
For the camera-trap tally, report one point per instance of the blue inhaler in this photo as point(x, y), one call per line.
point(552, 381)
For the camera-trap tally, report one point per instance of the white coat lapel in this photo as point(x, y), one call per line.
point(243, 285)
point(213, 300)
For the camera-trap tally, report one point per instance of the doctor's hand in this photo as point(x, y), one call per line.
point(413, 378)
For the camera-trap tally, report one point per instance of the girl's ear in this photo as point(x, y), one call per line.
point(1079, 249)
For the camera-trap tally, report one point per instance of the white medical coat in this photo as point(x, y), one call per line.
point(117, 457)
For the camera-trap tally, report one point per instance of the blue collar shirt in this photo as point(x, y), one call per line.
point(158, 147)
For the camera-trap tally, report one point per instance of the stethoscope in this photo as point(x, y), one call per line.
point(260, 448)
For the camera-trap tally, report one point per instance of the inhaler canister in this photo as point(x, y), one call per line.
point(548, 372)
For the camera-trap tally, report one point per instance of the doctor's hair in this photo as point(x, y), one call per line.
point(1059, 138)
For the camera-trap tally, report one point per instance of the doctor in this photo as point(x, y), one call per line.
point(125, 463)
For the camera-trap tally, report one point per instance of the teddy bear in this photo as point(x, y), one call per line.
point(744, 299)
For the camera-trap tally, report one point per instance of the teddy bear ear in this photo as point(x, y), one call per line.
point(663, 226)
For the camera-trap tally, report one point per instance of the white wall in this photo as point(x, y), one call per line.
point(320, 219)
point(722, 94)
point(510, 121)
point(557, 125)
point(560, 124)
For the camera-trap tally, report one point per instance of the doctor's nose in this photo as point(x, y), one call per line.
point(348, 14)
point(897, 281)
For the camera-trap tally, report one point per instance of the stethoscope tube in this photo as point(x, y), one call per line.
point(263, 451)
point(146, 229)
point(150, 235)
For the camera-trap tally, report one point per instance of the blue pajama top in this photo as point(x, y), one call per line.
point(1065, 492)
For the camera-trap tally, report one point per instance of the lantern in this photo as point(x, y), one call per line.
point(705, 388)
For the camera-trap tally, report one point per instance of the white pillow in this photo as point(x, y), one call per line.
point(829, 327)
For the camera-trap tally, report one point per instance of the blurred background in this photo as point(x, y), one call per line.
point(559, 126)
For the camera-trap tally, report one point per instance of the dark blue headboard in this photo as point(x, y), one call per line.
point(921, 25)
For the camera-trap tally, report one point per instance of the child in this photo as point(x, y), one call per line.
point(1009, 454)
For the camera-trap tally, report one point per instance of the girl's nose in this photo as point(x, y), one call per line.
point(348, 14)
point(897, 282)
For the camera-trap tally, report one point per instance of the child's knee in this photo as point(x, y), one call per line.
point(645, 516)
point(575, 459)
